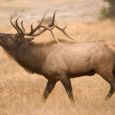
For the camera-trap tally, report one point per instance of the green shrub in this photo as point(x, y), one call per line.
point(110, 12)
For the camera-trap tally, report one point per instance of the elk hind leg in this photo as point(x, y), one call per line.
point(111, 91)
point(68, 87)
point(110, 78)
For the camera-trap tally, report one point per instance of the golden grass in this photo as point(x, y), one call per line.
point(21, 92)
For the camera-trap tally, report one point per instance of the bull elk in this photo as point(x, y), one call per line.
point(59, 61)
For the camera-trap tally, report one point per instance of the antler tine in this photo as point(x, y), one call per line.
point(50, 29)
point(16, 22)
point(64, 32)
point(32, 30)
point(22, 25)
point(14, 25)
point(53, 19)
point(44, 29)
point(44, 17)
point(38, 26)
point(52, 24)
point(61, 29)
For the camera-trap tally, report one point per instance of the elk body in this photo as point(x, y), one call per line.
point(60, 61)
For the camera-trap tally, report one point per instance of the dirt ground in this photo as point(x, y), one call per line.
point(21, 92)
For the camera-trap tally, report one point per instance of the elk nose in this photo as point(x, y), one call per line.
point(2, 36)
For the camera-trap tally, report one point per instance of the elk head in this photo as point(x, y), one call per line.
point(25, 37)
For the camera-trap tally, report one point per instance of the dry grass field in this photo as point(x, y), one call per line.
point(21, 92)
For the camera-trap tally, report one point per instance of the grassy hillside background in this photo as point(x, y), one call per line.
point(21, 92)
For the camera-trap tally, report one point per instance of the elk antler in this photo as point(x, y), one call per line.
point(18, 29)
point(42, 28)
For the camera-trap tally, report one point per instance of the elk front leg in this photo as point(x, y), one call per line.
point(49, 87)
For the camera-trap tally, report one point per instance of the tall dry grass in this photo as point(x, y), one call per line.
point(21, 92)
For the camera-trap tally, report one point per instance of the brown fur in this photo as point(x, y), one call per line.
point(62, 61)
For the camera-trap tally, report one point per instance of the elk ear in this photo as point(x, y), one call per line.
point(12, 38)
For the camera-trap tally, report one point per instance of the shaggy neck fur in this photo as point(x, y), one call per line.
point(30, 56)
